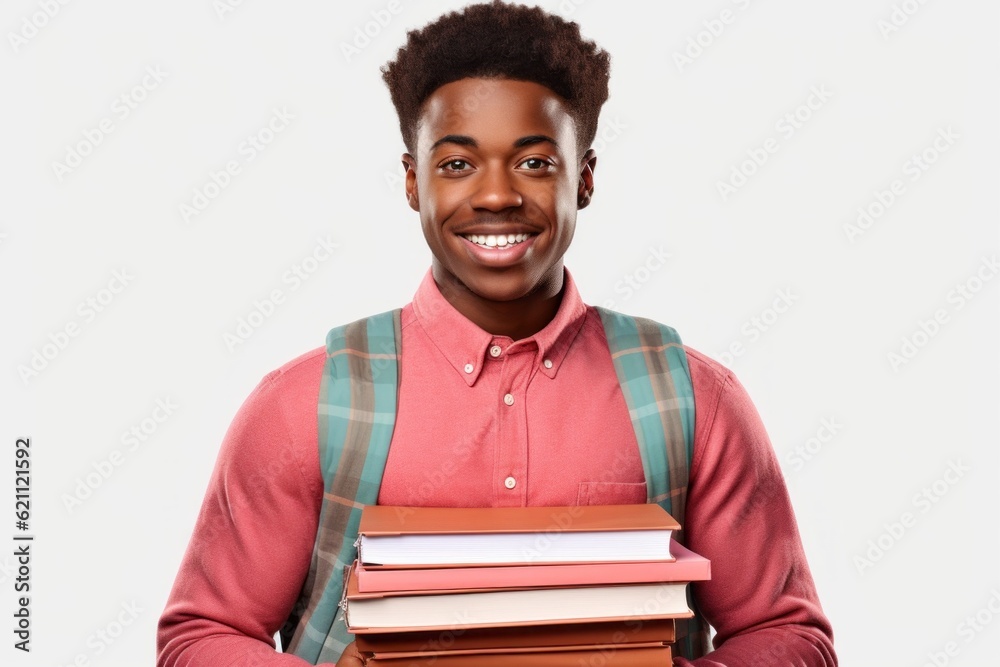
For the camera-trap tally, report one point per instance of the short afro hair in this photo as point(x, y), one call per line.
point(500, 40)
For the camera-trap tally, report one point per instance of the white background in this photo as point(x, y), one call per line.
point(671, 134)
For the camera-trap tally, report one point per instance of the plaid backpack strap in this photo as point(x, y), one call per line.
point(653, 372)
point(357, 412)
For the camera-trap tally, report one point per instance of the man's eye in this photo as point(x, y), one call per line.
point(535, 163)
point(456, 165)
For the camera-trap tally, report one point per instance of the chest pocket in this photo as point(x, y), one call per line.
point(611, 493)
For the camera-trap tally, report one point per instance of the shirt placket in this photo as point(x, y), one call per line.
point(510, 473)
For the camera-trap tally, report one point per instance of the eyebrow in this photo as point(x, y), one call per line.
point(465, 140)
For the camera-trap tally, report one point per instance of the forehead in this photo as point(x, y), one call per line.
point(497, 111)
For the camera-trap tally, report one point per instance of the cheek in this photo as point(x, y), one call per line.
point(438, 200)
point(564, 200)
point(551, 194)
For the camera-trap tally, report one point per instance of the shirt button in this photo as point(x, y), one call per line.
point(547, 363)
point(510, 482)
point(469, 368)
point(508, 399)
point(495, 351)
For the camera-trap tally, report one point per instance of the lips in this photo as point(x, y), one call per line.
point(497, 254)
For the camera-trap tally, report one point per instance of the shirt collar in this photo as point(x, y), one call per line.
point(466, 346)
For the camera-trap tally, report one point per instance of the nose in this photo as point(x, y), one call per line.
point(496, 190)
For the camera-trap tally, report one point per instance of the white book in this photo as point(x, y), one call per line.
point(519, 607)
point(428, 536)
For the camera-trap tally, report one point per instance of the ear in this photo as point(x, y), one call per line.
point(412, 195)
point(585, 190)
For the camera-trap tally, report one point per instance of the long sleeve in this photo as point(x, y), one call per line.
point(761, 599)
point(252, 543)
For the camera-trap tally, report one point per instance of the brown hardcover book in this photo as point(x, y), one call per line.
point(606, 656)
point(576, 634)
point(412, 537)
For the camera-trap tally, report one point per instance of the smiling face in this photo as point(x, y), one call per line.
point(497, 182)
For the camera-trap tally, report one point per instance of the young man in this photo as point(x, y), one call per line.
point(507, 393)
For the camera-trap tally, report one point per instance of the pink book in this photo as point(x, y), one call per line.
point(688, 566)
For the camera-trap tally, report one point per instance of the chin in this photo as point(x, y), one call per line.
point(501, 287)
point(500, 293)
point(519, 291)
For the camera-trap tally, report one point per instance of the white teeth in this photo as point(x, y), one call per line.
point(494, 241)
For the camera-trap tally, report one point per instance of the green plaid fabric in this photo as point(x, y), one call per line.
point(654, 376)
point(357, 411)
point(356, 417)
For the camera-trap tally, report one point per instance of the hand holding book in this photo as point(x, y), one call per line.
point(351, 657)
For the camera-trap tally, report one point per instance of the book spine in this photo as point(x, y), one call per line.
point(372, 580)
point(581, 634)
point(606, 656)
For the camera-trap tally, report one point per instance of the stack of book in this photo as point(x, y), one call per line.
point(555, 586)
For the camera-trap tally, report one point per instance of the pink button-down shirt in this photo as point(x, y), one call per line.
point(487, 421)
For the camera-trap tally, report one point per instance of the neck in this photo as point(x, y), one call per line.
point(518, 318)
